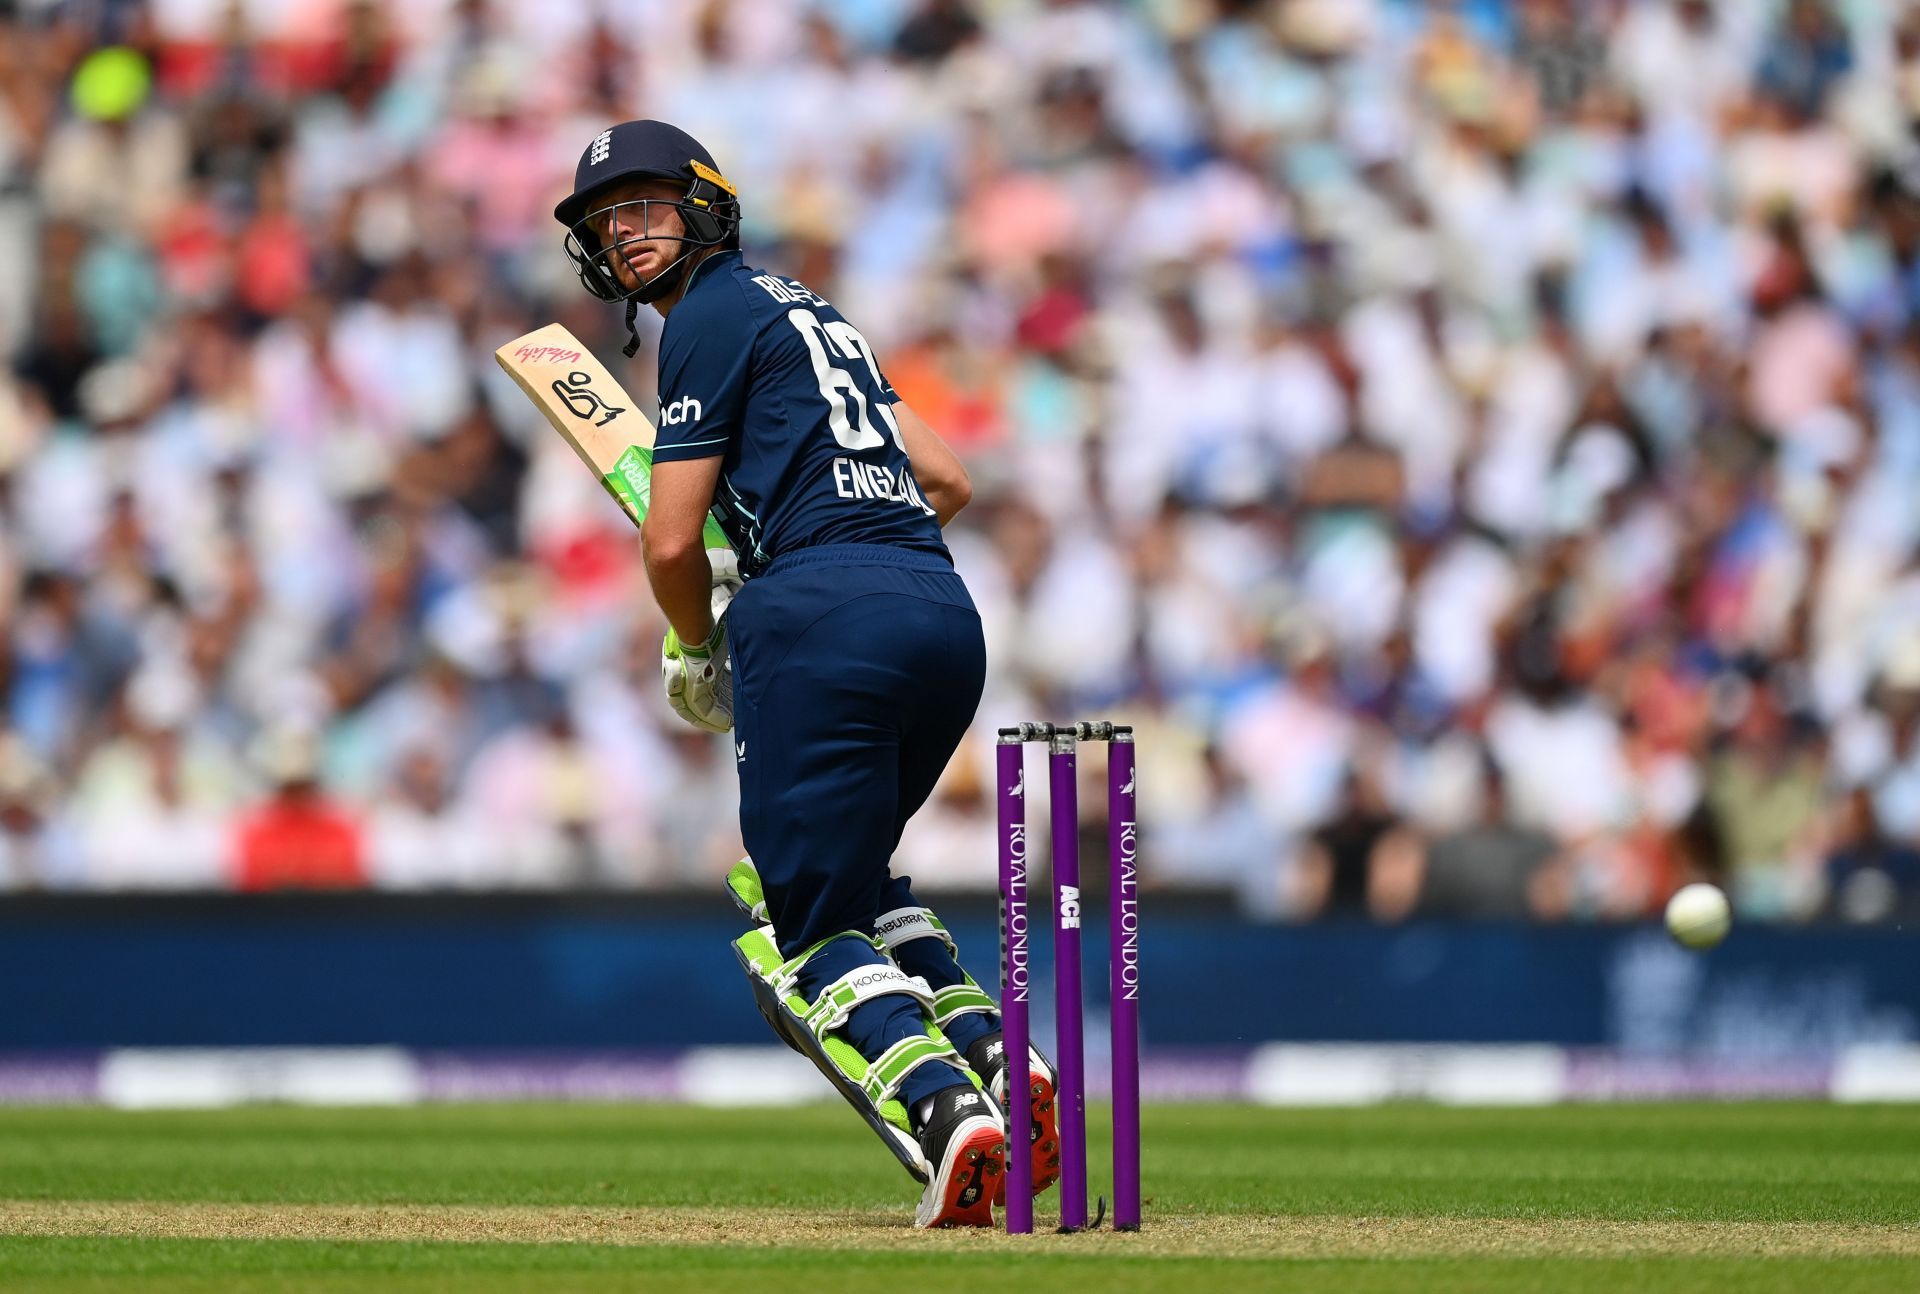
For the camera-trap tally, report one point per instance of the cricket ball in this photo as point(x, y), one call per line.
point(1698, 915)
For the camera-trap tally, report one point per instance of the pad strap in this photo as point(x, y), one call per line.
point(862, 984)
point(960, 999)
point(903, 925)
point(787, 977)
point(885, 1075)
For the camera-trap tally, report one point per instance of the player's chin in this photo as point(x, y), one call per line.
point(631, 275)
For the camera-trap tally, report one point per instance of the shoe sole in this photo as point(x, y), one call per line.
point(961, 1194)
point(1044, 1136)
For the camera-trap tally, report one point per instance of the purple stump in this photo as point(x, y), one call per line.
point(1014, 978)
point(1123, 955)
point(1071, 1099)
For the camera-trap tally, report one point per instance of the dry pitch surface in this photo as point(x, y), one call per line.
point(1751, 1197)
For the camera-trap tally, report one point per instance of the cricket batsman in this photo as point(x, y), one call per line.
point(857, 658)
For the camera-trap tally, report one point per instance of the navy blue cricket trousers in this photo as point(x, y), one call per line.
point(857, 670)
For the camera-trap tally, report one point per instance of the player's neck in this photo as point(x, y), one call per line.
point(666, 303)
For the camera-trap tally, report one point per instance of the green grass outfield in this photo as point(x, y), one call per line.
point(1751, 1197)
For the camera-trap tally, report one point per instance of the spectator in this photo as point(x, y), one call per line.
point(699, 805)
point(1363, 862)
point(1292, 740)
point(1807, 55)
point(1554, 44)
point(949, 844)
point(1869, 876)
point(37, 849)
point(1767, 789)
point(1219, 837)
point(298, 838)
point(152, 812)
point(1494, 868)
point(418, 838)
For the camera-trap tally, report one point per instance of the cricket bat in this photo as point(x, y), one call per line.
point(593, 413)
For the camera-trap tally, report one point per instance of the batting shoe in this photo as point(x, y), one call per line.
point(988, 1059)
point(966, 1146)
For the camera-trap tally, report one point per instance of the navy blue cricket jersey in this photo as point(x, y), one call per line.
point(758, 370)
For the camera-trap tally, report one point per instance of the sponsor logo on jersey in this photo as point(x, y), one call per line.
point(685, 409)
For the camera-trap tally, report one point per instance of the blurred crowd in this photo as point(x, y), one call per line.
point(1476, 443)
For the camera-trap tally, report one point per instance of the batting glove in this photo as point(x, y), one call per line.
point(699, 680)
point(726, 579)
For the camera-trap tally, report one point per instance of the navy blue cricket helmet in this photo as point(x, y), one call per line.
point(633, 150)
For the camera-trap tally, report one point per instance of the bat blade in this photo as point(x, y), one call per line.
point(592, 412)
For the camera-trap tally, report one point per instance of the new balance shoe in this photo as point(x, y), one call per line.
point(966, 1146)
point(987, 1058)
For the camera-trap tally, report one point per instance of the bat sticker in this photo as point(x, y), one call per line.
point(582, 401)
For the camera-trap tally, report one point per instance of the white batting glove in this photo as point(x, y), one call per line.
point(726, 579)
point(699, 679)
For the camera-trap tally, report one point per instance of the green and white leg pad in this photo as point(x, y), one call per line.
point(903, 925)
point(814, 1028)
